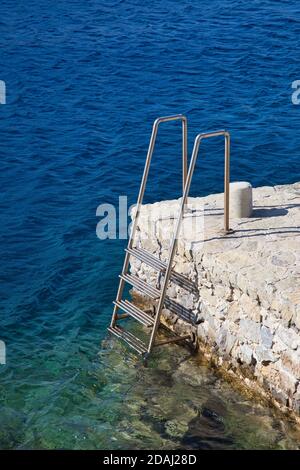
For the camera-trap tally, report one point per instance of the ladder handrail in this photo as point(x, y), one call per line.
point(226, 134)
point(173, 243)
point(156, 123)
point(155, 126)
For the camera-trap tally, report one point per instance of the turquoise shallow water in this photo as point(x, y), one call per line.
point(85, 80)
point(105, 399)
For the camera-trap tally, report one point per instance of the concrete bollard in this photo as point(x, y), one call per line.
point(240, 199)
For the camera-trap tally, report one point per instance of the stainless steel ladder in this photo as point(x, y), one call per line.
point(131, 310)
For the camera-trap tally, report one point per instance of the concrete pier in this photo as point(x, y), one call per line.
point(245, 310)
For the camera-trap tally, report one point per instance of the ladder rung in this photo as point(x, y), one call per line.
point(159, 265)
point(141, 286)
point(129, 338)
point(147, 258)
point(135, 312)
point(173, 340)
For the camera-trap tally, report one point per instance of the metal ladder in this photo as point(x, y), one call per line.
point(165, 269)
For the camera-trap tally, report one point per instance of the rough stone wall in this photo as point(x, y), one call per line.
point(246, 307)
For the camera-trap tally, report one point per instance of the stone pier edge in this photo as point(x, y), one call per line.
point(265, 360)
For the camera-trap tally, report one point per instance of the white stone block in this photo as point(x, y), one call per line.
point(240, 200)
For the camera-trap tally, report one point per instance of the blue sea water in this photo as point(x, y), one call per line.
point(85, 80)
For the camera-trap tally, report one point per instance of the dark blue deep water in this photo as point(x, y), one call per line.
point(85, 80)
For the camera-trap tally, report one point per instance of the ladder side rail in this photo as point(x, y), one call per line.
point(226, 181)
point(174, 241)
point(184, 153)
point(155, 126)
